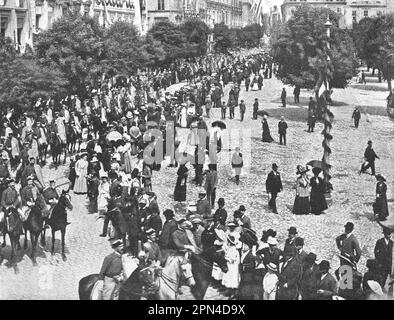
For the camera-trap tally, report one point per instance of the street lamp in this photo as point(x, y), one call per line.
point(328, 26)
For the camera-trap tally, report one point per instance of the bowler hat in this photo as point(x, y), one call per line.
point(241, 208)
point(379, 176)
point(324, 265)
point(310, 258)
point(299, 241)
point(168, 213)
point(292, 230)
point(274, 165)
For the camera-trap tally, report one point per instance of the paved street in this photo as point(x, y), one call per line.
point(351, 199)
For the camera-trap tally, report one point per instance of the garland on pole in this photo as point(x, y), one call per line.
point(328, 118)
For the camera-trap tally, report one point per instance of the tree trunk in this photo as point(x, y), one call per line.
point(390, 85)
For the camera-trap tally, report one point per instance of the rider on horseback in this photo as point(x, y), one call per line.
point(29, 196)
point(51, 196)
point(9, 198)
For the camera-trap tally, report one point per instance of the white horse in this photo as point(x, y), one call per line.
point(169, 278)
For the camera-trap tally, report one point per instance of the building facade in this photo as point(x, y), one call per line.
point(350, 11)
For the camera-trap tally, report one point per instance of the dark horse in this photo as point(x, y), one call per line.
point(202, 265)
point(73, 137)
point(57, 148)
point(58, 221)
point(34, 224)
point(131, 289)
point(14, 228)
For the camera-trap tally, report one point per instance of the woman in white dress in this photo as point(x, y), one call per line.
point(103, 194)
point(81, 170)
point(232, 277)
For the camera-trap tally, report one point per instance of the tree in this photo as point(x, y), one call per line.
point(171, 39)
point(300, 49)
point(222, 37)
point(250, 35)
point(75, 45)
point(375, 39)
point(196, 32)
point(23, 81)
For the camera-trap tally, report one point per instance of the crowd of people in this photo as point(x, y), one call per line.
point(111, 133)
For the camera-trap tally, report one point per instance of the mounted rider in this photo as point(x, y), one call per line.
point(30, 196)
point(32, 170)
point(151, 248)
point(112, 272)
point(51, 196)
point(9, 198)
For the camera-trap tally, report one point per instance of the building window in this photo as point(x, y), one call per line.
point(161, 5)
point(19, 3)
point(3, 2)
point(366, 13)
point(339, 10)
point(354, 13)
point(38, 18)
point(3, 25)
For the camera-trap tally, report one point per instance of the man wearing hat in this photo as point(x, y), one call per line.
point(274, 186)
point(203, 205)
point(289, 277)
point(300, 252)
point(183, 238)
point(348, 244)
point(112, 272)
point(308, 284)
point(290, 242)
point(51, 196)
point(270, 254)
point(241, 218)
point(34, 170)
point(282, 128)
point(169, 227)
point(384, 255)
point(30, 196)
point(211, 182)
point(326, 283)
point(9, 198)
point(197, 229)
point(369, 157)
point(221, 213)
point(151, 248)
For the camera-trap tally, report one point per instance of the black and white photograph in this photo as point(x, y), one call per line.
point(206, 150)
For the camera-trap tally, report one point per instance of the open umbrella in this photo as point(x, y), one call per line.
point(316, 164)
point(114, 136)
point(389, 223)
point(219, 124)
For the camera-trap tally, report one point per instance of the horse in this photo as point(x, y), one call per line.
point(12, 226)
point(58, 146)
point(58, 221)
point(202, 265)
point(73, 137)
point(169, 278)
point(34, 224)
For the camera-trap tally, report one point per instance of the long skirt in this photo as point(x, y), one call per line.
point(381, 208)
point(180, 192)
point(80, 185)
point(318, 202)
point(301, 205)
point(267, 136)
point(128, 162)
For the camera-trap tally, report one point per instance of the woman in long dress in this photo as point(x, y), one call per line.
point(301, 202)
point(381, 208)
point(231, 278)
point(266, 131)
point(81, 171)
point(103, 194)
point(180, 187)
point(318, 200)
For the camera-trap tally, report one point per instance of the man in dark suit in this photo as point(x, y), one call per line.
point(242, 109)
point(274, 186)
point(369, 156)
point(255, 108)
point(356, 116)
point(242, 219)
point(169, 227)
point(290, 247)
point(283, 97)
point(326, 283)
point(384, 254)
point(309, 280)
point(203, 205)
point(348, 244)
point(289, 278)
point(300, 252)
point(282, 128)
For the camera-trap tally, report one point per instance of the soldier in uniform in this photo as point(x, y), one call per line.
point(51, 196)
point(30, 195)
point(111, 272)
point(182, 241)
point(151, 248)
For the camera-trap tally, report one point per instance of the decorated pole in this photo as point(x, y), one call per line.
point(328, 117)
